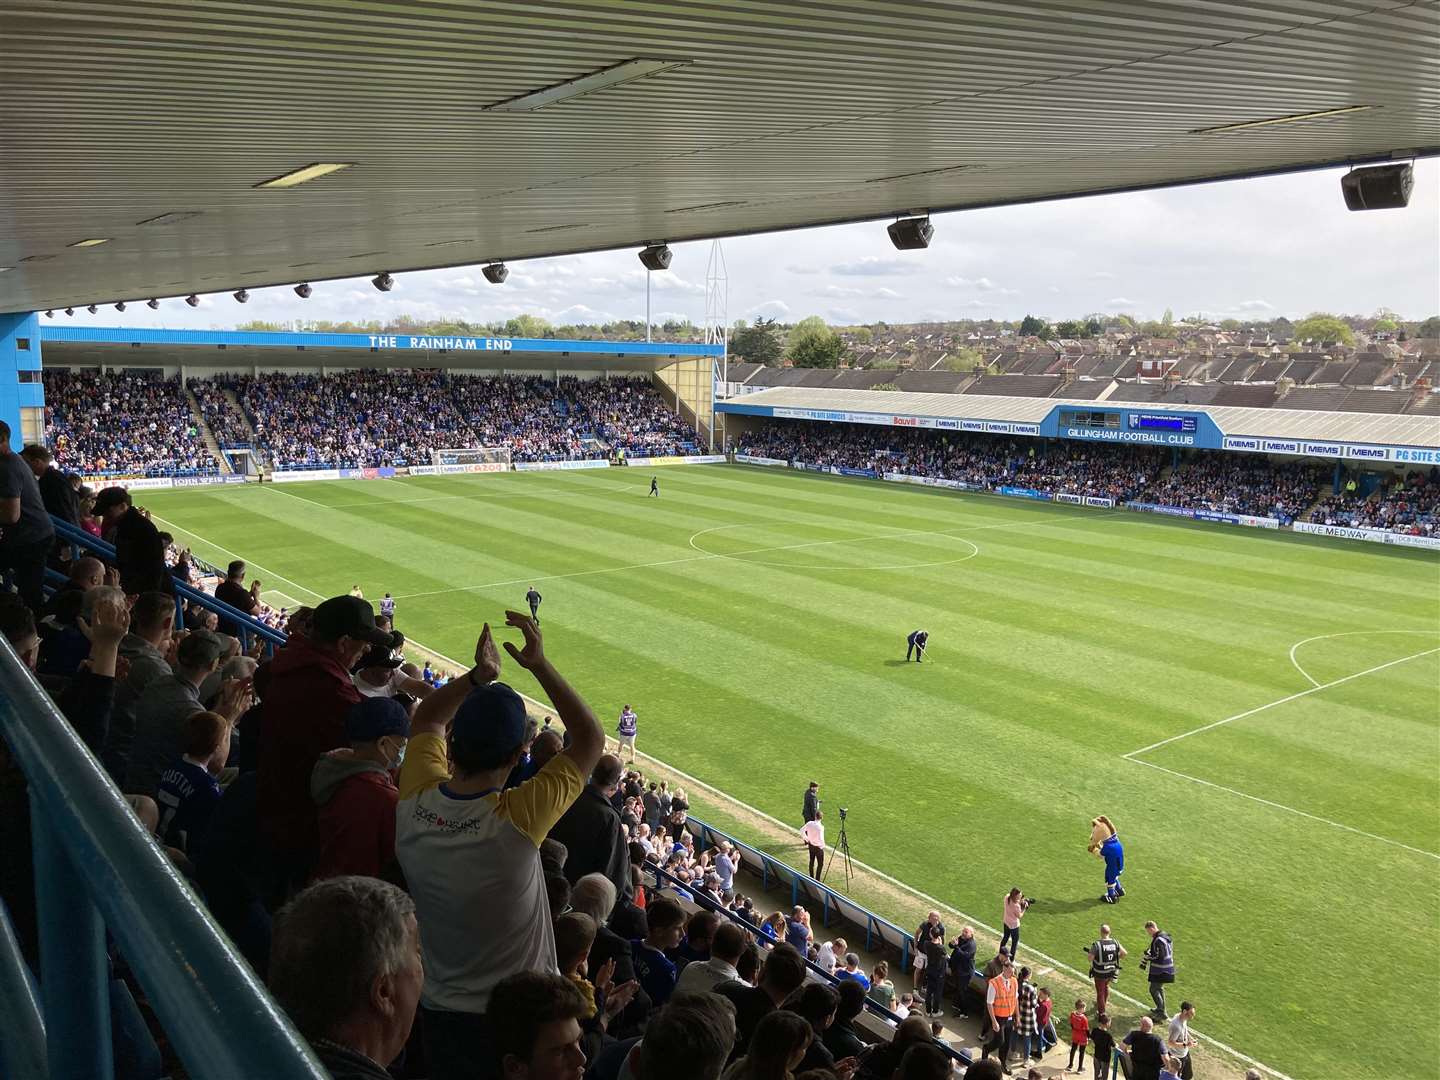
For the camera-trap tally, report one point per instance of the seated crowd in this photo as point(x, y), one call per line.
point(122, 423)
point(1204, 480)
point(1410, 506)
point(136, 423)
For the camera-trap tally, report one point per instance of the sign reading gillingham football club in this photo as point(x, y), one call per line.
point(397, 341)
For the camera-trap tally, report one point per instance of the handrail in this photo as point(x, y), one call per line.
point(94, 860)
point(73, 534)
point(663, 876)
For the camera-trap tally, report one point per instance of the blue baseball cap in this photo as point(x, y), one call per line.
point(374, 718)
point(490, 723)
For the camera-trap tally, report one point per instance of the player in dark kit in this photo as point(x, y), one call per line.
point(915, 644)
point(533, 599)
point(655, 486)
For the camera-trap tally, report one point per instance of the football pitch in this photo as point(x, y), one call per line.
point(1258, 713)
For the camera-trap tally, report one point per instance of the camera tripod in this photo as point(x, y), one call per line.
point(842, 845)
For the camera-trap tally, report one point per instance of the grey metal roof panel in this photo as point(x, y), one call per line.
point(1403, 430)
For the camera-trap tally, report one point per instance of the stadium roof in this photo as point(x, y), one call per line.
point(117, 346)
point(1422, 431)
point(148, 125)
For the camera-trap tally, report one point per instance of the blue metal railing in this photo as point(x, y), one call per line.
point(97, 869)
point(664, 879)
point(78, 537)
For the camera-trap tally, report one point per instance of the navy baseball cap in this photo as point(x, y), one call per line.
point(374, 718)
point(490, 722)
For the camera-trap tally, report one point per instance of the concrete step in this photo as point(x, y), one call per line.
point(205, 433)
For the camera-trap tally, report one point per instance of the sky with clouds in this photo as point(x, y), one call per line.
point(1259, 248)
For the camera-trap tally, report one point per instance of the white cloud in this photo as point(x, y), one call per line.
point(1102, 275)
point(844, 315)
point(1254, 305)
point(875, 266)
point(839, 291)
point(1120, 302)
point(886, 294)
point(794, 269)
point(771, 309)
point(1053, 289)
point(580, 313)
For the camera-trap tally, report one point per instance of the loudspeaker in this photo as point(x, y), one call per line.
point(1383, 187)
point(908, 234)
point(656, 257)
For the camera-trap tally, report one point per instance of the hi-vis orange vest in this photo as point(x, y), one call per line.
point(1005, 992)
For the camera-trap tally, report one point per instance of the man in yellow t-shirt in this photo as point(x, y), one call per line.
point(470, 848)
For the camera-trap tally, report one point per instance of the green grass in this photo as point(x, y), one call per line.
point(744, 615)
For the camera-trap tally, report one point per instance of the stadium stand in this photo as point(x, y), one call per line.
point(125, 423)
point(133, 423)
point(1410, 506)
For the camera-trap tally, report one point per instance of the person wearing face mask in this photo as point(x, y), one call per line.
point(355, 793)
point(305, 693)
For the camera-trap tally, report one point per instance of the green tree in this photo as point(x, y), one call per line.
point(526, 326)
point(1319, 326)
point(759, 344)
point(964, 359)
point(1430, 328)
point(1070, 328)
point(1094, 327)
point(1033, 326)
point(1167, 321)
point(862, 335)
point(812, 344)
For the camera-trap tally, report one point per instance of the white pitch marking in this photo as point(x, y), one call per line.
point(1287, 809)
point(1348, 633)
point(1270, 705)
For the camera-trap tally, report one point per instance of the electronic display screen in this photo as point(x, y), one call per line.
point(1161, 422)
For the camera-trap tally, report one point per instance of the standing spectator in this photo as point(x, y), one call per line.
point(387, 608)
point(1015, 906)
point(1178, 1040)
point(1160, 959)
point(232, 591)
point(27, 534)
point(777, 1047)
point(725, 949)
point(1044, 1020)
point(305, 693)
point(590, 831)
point(1001, 1002)
point(354, 794)
point(1105, 956)
point(345, 965)
point(188, 792)
point(813, 833)
point(139, 550)
point(962, 966)
point(699, 933)
point(811, 810)
point(797, 930)
point(1102, 1048)
point(1080, 1037)
point(470, 850)
point(781, 975)
point(935, 968)
point(922, 932)
point(1027, 1023)
point(725, 866)
point(1147, 1052)
point(55, 491)
point(625, 729)
point(650, 802)
point(161, 714)
point(152, 622)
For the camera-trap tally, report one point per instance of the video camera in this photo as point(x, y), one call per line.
point(843, 812)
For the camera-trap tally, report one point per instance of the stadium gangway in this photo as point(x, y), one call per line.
point(98, 870)
point(803, 884)
point(78, 537)
point(664, 879)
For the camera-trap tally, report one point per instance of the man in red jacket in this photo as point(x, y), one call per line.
point(356, 796)
point(304, 694)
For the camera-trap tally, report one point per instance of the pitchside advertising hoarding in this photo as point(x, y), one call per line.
point(1116, 424)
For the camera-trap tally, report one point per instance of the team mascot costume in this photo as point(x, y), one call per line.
point(1105, 842)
